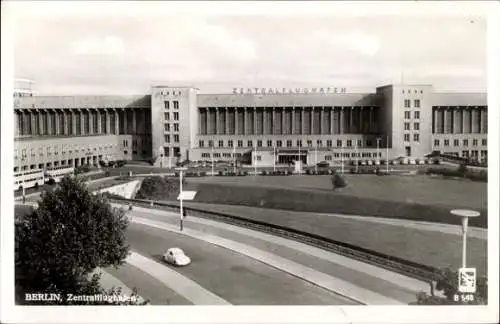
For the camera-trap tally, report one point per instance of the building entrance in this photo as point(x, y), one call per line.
point(291, 157)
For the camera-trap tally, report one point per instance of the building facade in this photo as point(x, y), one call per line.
point(173, 124)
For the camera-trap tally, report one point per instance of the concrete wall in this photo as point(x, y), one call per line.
point(126, 190)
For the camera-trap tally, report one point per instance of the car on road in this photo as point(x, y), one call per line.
point(177, 257)
point(323, 164)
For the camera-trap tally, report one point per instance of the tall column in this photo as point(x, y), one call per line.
point(216, 124)
point(361, 128)
point(293, 120)
point(73, 121)
point(312, 121)
point(481, 121)
point(283, 113)
point(246, 113)
point(322, 120)
point(351, 121)
point(41, 124)
point(475, 123)
point(117, 121)
point(236, 121)
point(134, 121)
point(49, 122)
point(435, 120)
point(302, 120)
point(471, 119)
point(464, 126)
point(332, 120)
point(254, 120)
point(445, 120)
point(264, 121)
point(273, 124)
point(82, 122)
point(99, 122)
point(57, 122)
point(226, 121)
point(341, 128)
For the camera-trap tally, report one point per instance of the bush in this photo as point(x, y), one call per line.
point(338, 181)
point(264, 172)
point(64, 240)
point(448, 284)
point(160, 188)
point(462, 170)
point(308, 172)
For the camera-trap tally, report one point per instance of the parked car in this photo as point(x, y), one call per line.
point(363, 162)
point(412, 162)
point(323, 164)
point(369, 162)
point(377, 162)
point(177, 257)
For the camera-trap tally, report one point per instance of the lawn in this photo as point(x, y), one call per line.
point(419, 189)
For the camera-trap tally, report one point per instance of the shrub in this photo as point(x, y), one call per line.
point(221, 173)
point(264, 172)
point(308, 172)
point(338, 181)
point(462, 170)
point(160, 188)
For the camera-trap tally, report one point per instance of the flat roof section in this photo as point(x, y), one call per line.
point(54, 102)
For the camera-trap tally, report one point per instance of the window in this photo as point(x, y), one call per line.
point(230, 143)
point(483, 142)
point(299, 143)
point(309, 143)
point(474, 142)
point(288, 143)
point(466, 142)
point(259, 143)
point(368, 143)
point(407, 115)
point(167, 127)
point(176, 138)
point(349, 143)
point(176, 116)
point(407, 103)
point(167, 104)
point(240, 143)
point(201, 143)
point(176, 127)
point(436, 142)
point(339, 143)
point(259, 158)
point(217, 155)
point(407, 137)
point(446, 142)
point(269, 143)
point(250, 143)
point(328, 157)
point(417, 103)
point(455, 142)
point(279, 143)
point(416, 126)
point(167, 138)
point(210, 143)
point(221, 143)
point(407, 126)
point(417, 114)
point(360, 143)
point(328, 143)
point(205, 155)
point(167, 116)
point(319, 143)
point(176, 104)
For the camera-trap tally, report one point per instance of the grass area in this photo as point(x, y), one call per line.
point(425, 247)
point(420, 189)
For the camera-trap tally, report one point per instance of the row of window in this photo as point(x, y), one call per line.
point(456, 142)
point(289, 143)
point(167, 116)
point(414, 90)
point(416, 114)
point(218, 155)
point(65, 149)
point(167, 139)
point(167, 127)
point(416, 137)
point(353, 155)
point(416, 103)
point(416, 126)
point(175, 104)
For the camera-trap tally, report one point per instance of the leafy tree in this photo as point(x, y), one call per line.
point(447, 283)
point(160, 188)
point(69, 235)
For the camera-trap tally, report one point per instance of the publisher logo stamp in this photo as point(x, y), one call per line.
point(467, 280)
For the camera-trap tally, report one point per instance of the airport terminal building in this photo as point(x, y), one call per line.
point(268, 126)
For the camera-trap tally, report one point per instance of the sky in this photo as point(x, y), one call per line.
point(125, 52)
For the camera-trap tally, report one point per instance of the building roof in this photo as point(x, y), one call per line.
point(286, 100)
point(459, 99)
point(46, 102)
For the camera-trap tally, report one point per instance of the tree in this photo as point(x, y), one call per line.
point(448, 283)
point(69, 235)
point(338, 181)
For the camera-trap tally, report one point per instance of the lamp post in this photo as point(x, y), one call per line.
point(378, 148)
point(356, 154)
point(274, 158)
point(255, 160)
point(342, 158)
point(212, 160)
point(465, 215)
point(387, 153)
point(180, 194)
point(316, 161)
point(234, 159)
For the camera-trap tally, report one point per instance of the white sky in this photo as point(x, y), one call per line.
point(94, 48)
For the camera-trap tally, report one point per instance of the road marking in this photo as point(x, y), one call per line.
point(320, 279)
point(371, 270)
point(175, 281)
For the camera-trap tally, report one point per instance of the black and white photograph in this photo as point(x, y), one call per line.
point(284, 154)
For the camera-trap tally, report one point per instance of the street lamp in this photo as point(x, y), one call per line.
point(180, 194)
point(465, 215)
point(378, 148)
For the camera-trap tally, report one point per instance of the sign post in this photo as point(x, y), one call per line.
point(181, 198)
